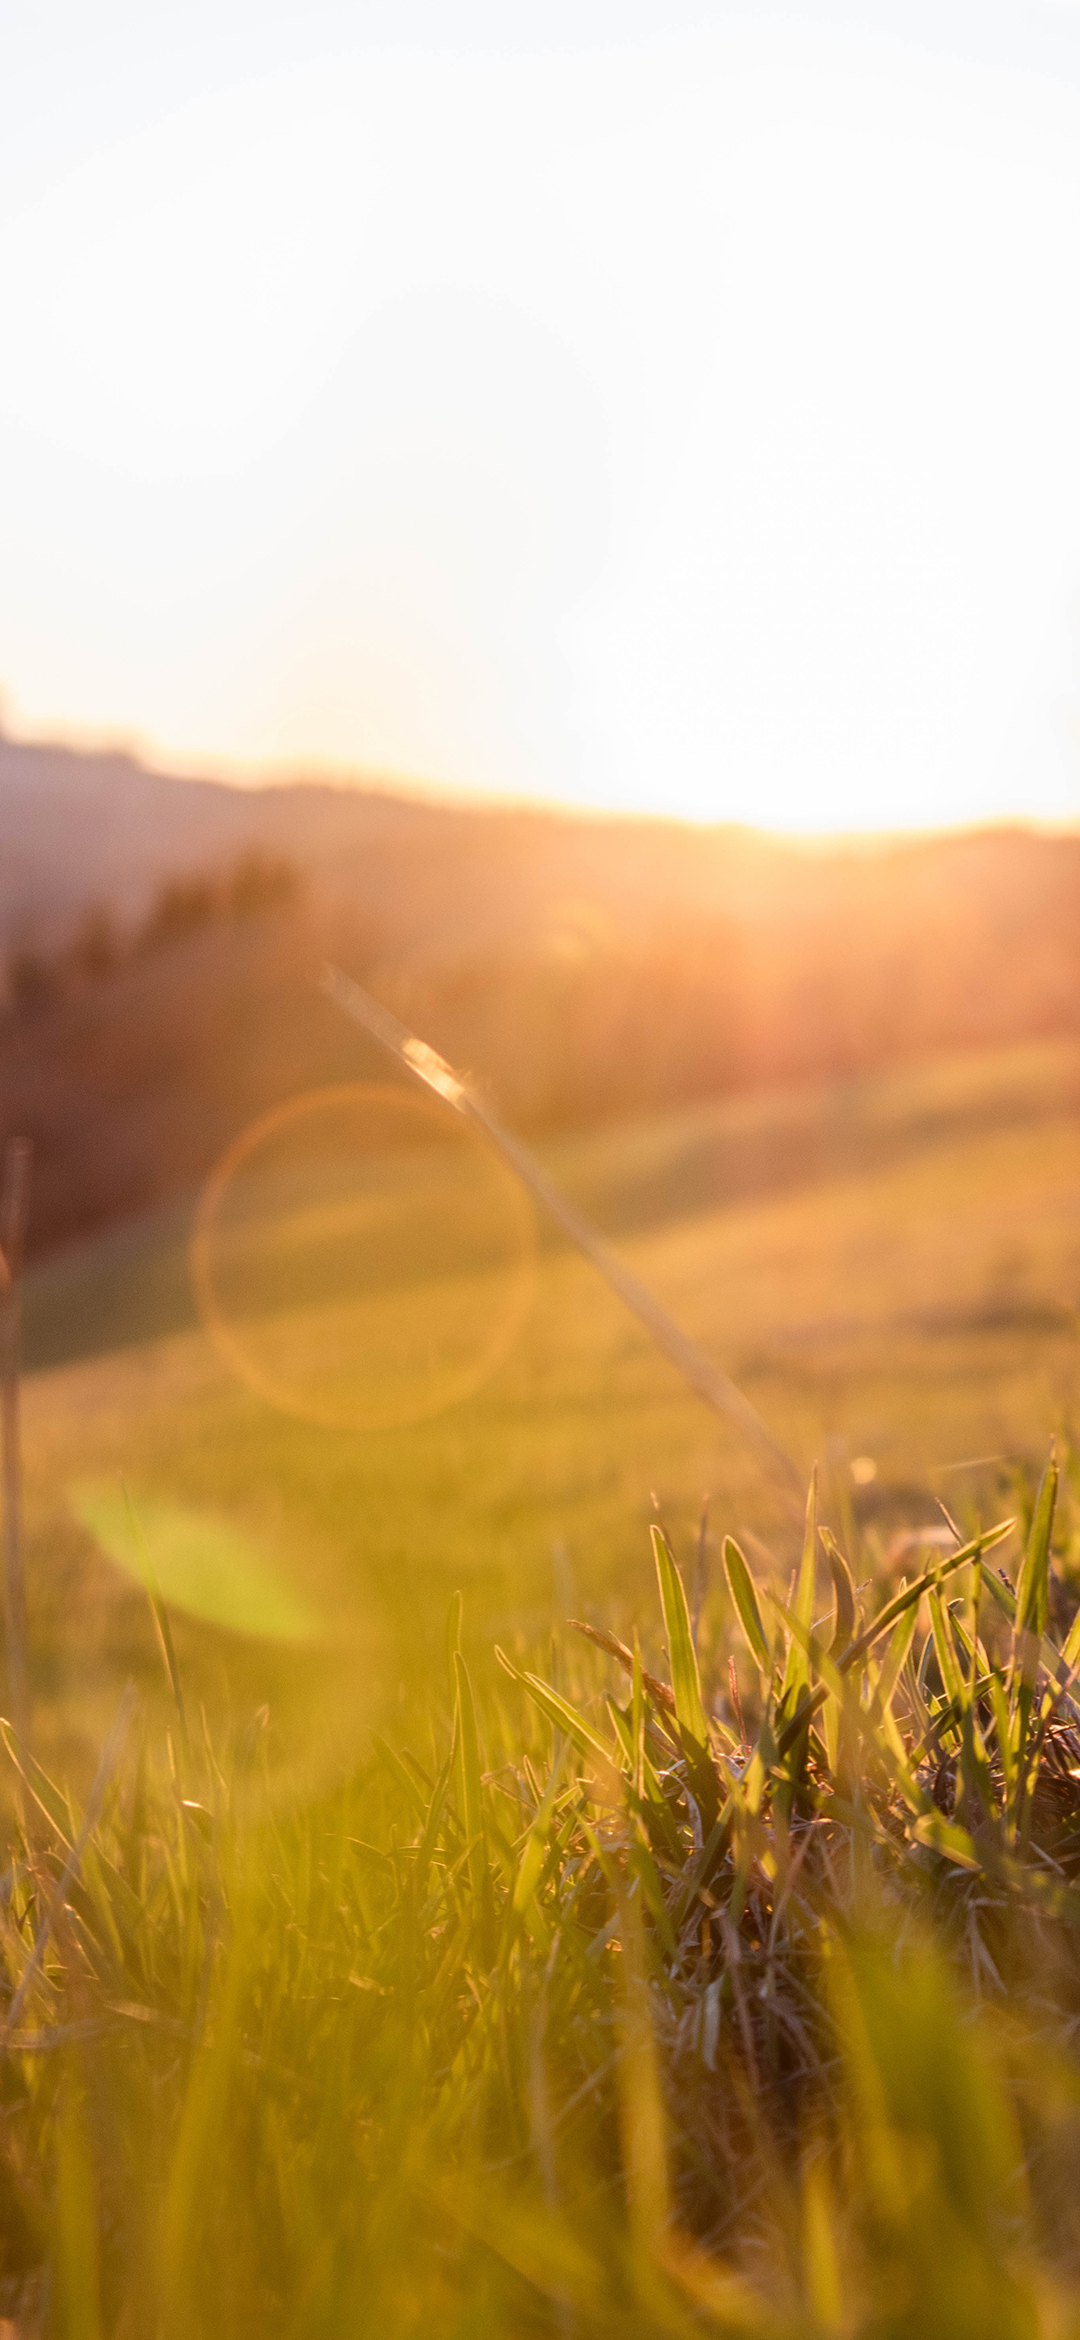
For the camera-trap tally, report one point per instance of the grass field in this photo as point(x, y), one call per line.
point(891, 1270)
point(633, 2006)
point(721, 1984)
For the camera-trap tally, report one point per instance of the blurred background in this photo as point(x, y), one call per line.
point(574, 516)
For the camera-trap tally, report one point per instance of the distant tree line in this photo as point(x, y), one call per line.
point(256, 883)
point(569, 989)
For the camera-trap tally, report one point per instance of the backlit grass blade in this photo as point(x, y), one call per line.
point(644, 1788)
point(1059, 1664)
point(817, 1660)
point(534, 1851)
point(661, 1692)
point(1003, 1735)
point(431, 1069)
point(92, 1813)
point(796, 1665)
point(843, 1594)
point(944, 1836)
point(945, 1647)
point(685, 1679)
point(641, 2105)
point(640, 1864)
point(1032, 1611)
point(690, 1713)
point(835, 1684)
point(900, 1640)
point(560, 1714)
point(809, 1705)
point(472, 1811)
point(399, 1772)
point(432, 1825)
point(189, 2186)
point(741, 1586)
point(637, 1724)
point(913, 1593)
point(1033, 1582)
point(76, 2269)
point(453, 1639)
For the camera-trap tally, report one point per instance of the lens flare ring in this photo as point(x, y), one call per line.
point(361, 1259)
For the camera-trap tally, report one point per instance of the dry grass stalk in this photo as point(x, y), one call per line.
point(703, 1376)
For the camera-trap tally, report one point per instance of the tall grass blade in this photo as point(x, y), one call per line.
point(796, 1673)
point(945, 1647)
point(686, 1683)
point(1033, 1582)
point(685, 1679)
point(641, 2105)
point(1032, 1611)
point(189, 2188)
point(912, 1594)
point(560, 1714)
point(453, 1639)
point(843, 1595)
point(76, 2254)
point(109, 1757)
point(472, 1802)
point(741, 1587)
point(431, 1069)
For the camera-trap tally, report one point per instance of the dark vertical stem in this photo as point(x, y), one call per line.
point(13, 1208)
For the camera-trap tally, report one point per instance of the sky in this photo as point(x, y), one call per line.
point(651, 408)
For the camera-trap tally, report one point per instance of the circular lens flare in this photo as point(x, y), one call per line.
point(362, 1259)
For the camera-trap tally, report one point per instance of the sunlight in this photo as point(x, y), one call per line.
point(680, 424)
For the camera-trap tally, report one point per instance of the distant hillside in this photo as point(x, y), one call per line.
point(85, 828)
point(580, 967)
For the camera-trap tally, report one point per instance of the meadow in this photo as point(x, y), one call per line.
point(890, 1269)
point(417, 1962)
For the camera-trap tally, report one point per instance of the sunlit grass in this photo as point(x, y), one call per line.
point(677, 1977)
point(904, 1290)
point(631, 1996)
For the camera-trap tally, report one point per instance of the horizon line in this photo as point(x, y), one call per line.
point(250, 777)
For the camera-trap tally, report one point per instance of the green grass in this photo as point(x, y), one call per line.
point(890, 1269)
point(645, 1981)
point(631, 2001)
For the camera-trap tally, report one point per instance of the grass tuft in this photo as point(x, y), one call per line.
point(734, 1993)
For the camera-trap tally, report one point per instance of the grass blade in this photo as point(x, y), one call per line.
point(797, 1664)
point(741, 1586)
point(560, 1714)
point(843, 1595)
point(913, 1593)
point(1033, 1582)
point(945, 1648)
point(472, 1810)
point(685, 1679)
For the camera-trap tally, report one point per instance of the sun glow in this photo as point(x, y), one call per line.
point(683, 422)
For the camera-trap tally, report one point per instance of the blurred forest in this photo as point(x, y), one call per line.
point(161, 940)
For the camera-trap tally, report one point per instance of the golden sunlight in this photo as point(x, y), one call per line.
point(679, 422)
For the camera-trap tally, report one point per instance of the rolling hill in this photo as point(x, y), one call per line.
point(582, 969)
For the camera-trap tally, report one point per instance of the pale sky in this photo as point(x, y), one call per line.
point(670, 408)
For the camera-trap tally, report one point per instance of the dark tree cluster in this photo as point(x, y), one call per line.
point(257, 883)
